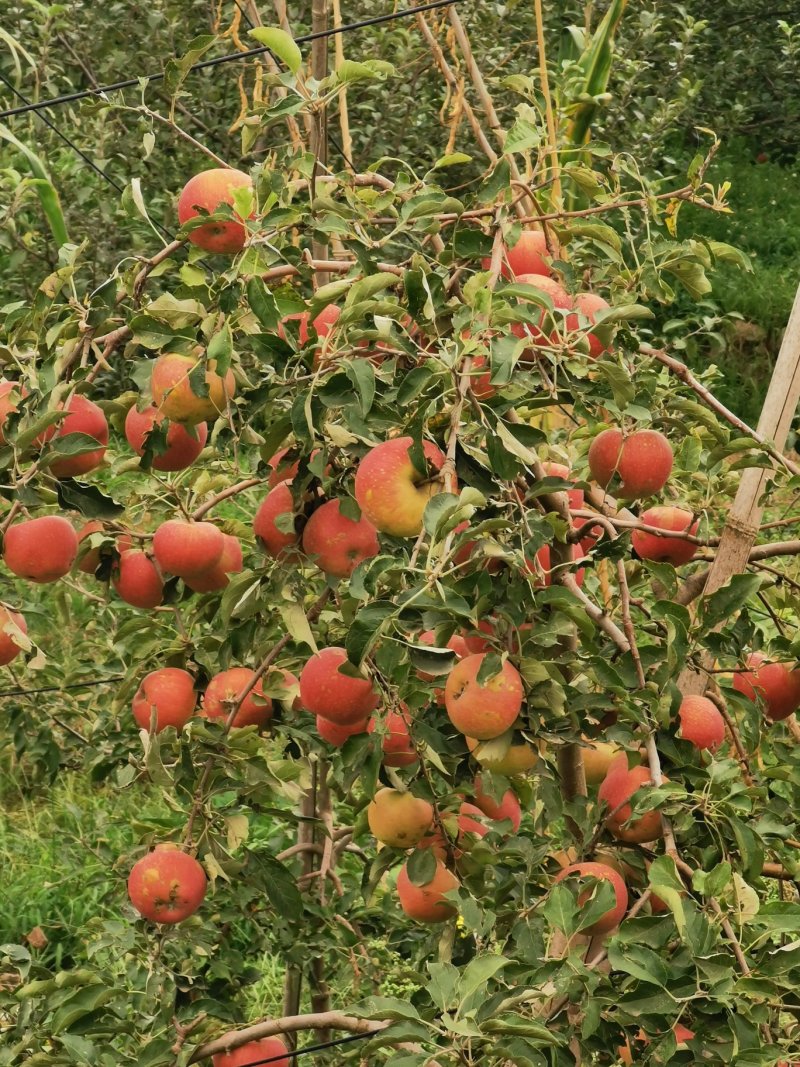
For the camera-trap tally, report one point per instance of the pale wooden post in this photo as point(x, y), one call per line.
point(744, 518)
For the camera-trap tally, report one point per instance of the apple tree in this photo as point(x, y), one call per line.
point(414, 572)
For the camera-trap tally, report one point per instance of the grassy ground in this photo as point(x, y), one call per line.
point(765, 223)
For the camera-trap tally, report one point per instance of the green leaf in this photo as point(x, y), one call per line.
point(281, 44)
point(82, 1002)
point(41, 182)
point(421, 866)
point(362, 374)
point(730, 598)
point(639, 961)
point(561, 910)
point(279, 884)
point(87, 499)
point(365, 629)
point(476, 976)
point(220, 349)
point(262, 304)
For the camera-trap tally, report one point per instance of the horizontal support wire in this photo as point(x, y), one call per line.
point(127, 83)
point(295, 1054)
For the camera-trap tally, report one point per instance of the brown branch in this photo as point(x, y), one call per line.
point(292, 1024)
point(232, 490)
point(681, 371)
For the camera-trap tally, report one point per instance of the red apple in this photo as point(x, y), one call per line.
point(12, 626)
point(336, 543)
point(337, 733)
point(182, 448)
point(136, 579)
point(173, 396)
point(205, 193)
point(337, 697)
point(641, 460)
point(398, 745)
point(187, 549)
point(169, 692)
point(230, 562)
point(268, 1048)
point(506, 808)
point(276, 542)
point(775, 683)
point(702, 723)
point(674, 550)
point(546, 332)
point(589, 305)
point(483, 709)
point(582, 872)
point(167, 885)
point(427, 903)
point(226, 687)
point(618, 786)
point(84, 417)
point(41, 550)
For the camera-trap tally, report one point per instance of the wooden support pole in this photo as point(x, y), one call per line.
point(319, 128)
point(744, 518)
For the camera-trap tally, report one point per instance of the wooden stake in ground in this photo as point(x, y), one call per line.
point(319, 129)
point(744, 518)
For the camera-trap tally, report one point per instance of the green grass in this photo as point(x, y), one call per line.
point(57, 852)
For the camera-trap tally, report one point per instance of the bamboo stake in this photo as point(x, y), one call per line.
point(741, 529)
point(552, 136)
point(319, 128)
point(344, 115)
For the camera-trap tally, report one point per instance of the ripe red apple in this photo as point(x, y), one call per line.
point(268, 1048)
point(170, 691)
point(12, 624)
point(281, 469)
point(136, 579)
point(618, 786)
point(273, 540)
point(337, 734)
point(182, 448)
point(84, 416)
point(172, 392)
point(391, 493)
point(582, 872)
point(641, 460)
point(90, 561)
point(336, 543)
point(205, 193)
point(225, 687)
point(508, 807)
point(9, 393)
point(399, 818)
point(337, 697)
point(230, 562)
point(530, 255)
point(167, 885)
point(562, 471)
point(546, 332)
point(542, 569)
point(481, 379)
point(701, 722)
point(187, 549)
point(41, 550)
point(319, 327)
point(482, 710)
point(427, 903)
point(674, 550)
point(398, 745)
point(589, 305)
point(775, 683)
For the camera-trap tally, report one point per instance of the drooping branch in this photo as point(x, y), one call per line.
point(291, 1024)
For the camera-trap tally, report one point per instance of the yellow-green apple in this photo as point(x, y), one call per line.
point(504, 755)
point(41, 550)
point(642, 461)
point(391, 492)
point(172, 392)
point(269, 1049)
point(12, 628)
point(487, 708)
point(337, 734)
point(336, 543)
point(399, 818)
point(426, 903)
point(230, 562)
point(775, 683)
point(183, 446)
point(593, 872)
point(597, 757)
point(674, 550)
point(187, 549)
point(508, 807)
point(204, 194)
point(224, 690)
point(167, 885)
point(170, 693)
point(398, 745)
point(276, 542)
point(136, 579)
point(337, 697)
point(701, 723)
point(83, 416)
point(616, 789)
